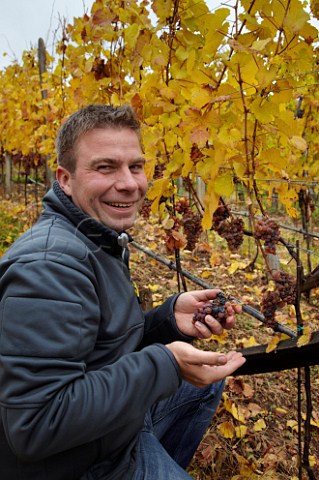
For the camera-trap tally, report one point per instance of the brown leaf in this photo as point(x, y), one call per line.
point(237, 385)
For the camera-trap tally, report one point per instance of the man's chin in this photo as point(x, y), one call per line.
point(119, 226)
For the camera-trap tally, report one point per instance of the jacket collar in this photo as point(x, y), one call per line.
point(101, 235)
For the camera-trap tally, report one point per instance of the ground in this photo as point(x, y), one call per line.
point(255, 431)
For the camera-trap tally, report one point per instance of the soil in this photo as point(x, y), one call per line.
point(255, 432)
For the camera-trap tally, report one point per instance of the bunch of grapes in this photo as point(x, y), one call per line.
point(145, 209)
point(229, 228)
point(220, 214)
point(268, 231)
point(192, 225)
point(217, 308)
point(191, 222)
point(285, 286)
point(269, 304)
point(284, 293)
point(182, 206)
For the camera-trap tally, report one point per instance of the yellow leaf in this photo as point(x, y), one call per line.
point(221, 339)
point(241, 431)
point(131, 34)
point(224, 185)
point(211, 201)
point(250, 342)
point(314, 423)
point(280, 412)
point(298, 142)
point(200, 97)
point(236, 413)
point(259, 45)
point(190, 61)
point(272, 345)
point(296, 17)
point(207, 274)
point(264, 111)
point(266, 76)
point(215, 28)
point(293, 424)
point(305, 338)
point(250, 276)
point(158, 188)
point(227, 429)
point(312, 460)
point(235, 266)
point(260, 425)
point(149, 168)
point(168, 223)
point(154, 288)
point(170, 120)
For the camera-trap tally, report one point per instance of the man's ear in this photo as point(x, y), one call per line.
point(63, 176)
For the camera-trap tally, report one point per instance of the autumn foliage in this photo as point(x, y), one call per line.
point(226, 96)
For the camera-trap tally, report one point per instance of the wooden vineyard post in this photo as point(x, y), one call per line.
point(8, 168)
point(49, 174)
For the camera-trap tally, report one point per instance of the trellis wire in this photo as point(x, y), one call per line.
point(278, 327)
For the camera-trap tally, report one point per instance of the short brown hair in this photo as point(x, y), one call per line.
point(86, 119)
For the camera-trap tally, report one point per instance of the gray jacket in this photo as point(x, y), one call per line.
point(80, 363)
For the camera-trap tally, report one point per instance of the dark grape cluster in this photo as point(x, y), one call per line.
point(285, 286)
point(228, 227)
point(270, 302)
point(182, 205)
point(220, 214)
point(145, 209)
point(190, 221)
point(268, 231)
point(232, 231)
point(192, 225)
point(284, 293)
point(217, 308)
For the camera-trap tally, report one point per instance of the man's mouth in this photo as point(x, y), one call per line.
point(120, 205)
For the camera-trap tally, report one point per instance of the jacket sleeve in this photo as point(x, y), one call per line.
point(160, 325)
point(49, 399)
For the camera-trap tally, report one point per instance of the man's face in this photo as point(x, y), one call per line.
point(109, 182)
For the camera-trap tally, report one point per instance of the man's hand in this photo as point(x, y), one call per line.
point(201, 368)
point(188, 303)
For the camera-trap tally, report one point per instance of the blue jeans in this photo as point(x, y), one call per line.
point(173, 429)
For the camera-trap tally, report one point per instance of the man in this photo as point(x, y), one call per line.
point(90, 388)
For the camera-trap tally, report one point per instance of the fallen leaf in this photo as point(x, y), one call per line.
point(260, 425)
point(227, 429)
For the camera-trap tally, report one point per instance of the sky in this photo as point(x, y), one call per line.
point(23, 22)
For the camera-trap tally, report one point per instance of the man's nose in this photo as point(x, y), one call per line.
point(125, 180)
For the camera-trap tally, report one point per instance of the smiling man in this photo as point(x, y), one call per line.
point(90, 386)
point(109, 182)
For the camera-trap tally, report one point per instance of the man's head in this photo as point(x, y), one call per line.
point(101, 164)
point(86, 119)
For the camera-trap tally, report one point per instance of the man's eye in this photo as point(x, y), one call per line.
point(137, 167)
point(102, 168)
